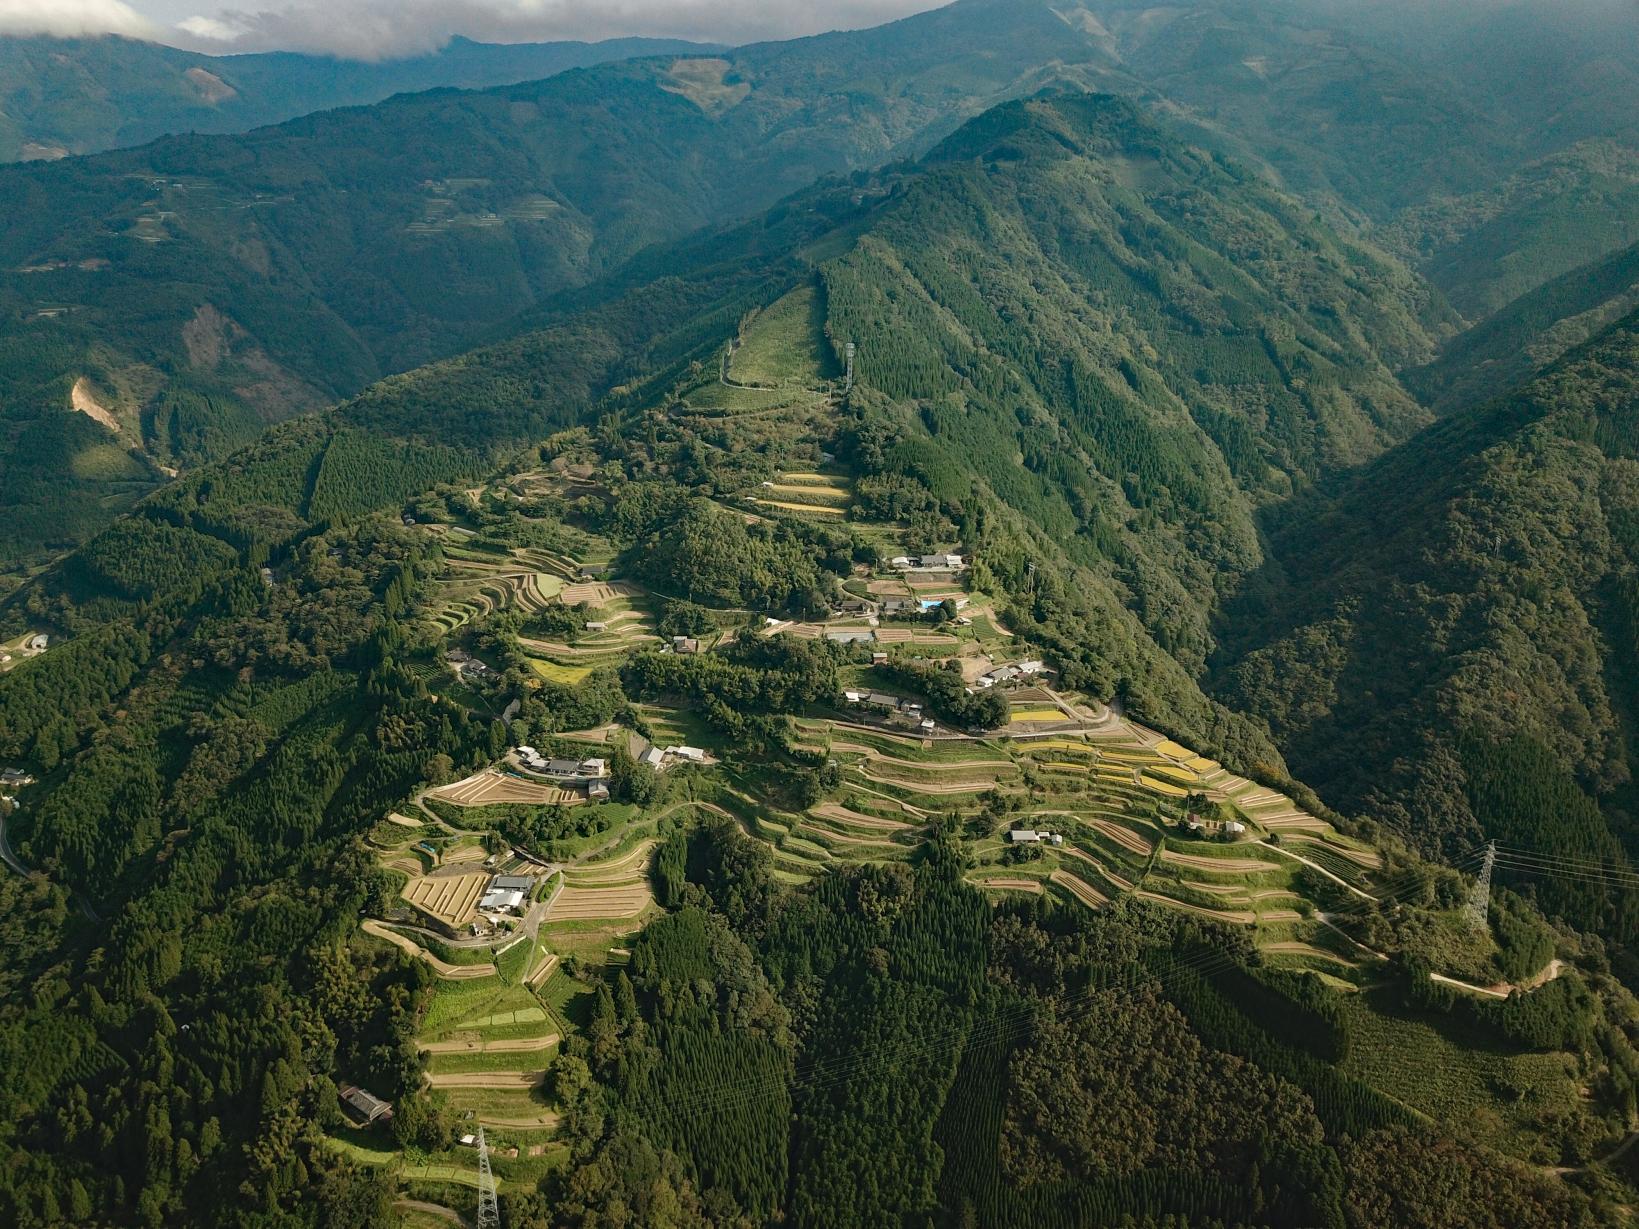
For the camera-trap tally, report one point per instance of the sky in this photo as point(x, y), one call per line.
point(374, 29)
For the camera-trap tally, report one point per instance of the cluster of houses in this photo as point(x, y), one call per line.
point(1034, 836)
point(927, 563)
point(658, 757)
point(592, 775)
point(1011, 674)
point(506, 894)
point(1228, 829)
point(882, 702)
point(470, 668)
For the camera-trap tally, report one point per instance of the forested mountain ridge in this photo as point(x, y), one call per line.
point(205, 286)
point(1448, 645)
point(65, 96)
point(1117, 334)
point(1509, 347)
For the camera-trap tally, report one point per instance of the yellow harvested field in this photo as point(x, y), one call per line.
point(594, 903)
point(853, 819)
point(627, 866)
point(1080, 889)
point(455, 972)
point(1029, 715)
point(1201, 764)
point(1162, 787)
point(452, 899)
point(1167, 747)
point(815, 509)
point(552, 672)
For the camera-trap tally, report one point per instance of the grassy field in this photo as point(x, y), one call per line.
point(785, 345)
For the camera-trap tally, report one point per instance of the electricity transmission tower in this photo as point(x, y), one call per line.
point(489, 1209)
point(1479, 900)
point(848, 380)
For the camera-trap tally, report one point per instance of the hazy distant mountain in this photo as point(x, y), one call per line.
point(81, 95)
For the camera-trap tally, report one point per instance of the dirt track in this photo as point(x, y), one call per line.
point(509, 1045)
point(455, 972)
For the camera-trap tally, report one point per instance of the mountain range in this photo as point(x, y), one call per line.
point(65, 96)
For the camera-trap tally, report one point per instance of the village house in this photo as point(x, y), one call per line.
point(362, 1107)
point(685, 644)
point(1031, 836)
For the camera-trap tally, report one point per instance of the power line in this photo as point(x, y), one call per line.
point(489, 1207)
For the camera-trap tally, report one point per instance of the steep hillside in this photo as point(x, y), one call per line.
point(1505, 349)
point(1131, 342)
point(1486, 249)
point(63, 96)
point(1449, 645)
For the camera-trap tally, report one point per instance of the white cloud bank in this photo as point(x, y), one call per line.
point(380, 29)
point(71, 18)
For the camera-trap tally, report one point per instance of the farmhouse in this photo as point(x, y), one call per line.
point(693, 754)
point(500, 900)
point(685, 644)
point(15, 776)
point(568, 772)
point(652, 758)
point(1029, 836)
point(362, 1107)
point(1234, 827)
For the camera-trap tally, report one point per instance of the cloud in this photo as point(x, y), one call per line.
point(71, 18)
point(381, 29)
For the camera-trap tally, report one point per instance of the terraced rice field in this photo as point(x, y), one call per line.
point(616, 903)
point(491, 787)
point(1036, 716)
point(1080, 889)
point(1004, 883)
point(451, 899)
point(552, 672)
